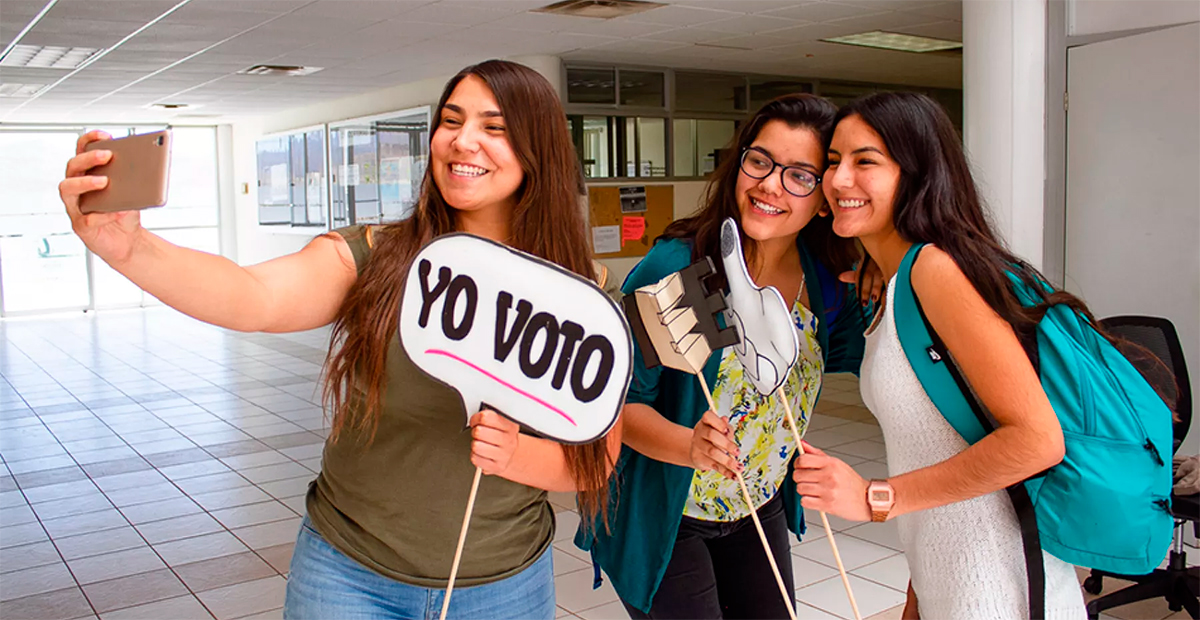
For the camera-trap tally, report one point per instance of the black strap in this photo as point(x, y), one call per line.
point(1035, 569)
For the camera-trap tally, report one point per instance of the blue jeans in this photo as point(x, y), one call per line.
point(324, 584)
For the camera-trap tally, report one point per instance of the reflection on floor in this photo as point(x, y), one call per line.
point(155, 467)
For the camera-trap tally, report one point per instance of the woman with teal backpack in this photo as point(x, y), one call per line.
point(898, 177)
point(680, 541)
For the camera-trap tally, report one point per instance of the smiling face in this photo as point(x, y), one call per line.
point(860, 183)
point(471, 159)
point(767, 210)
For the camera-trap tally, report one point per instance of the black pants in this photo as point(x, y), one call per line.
point(719, 570)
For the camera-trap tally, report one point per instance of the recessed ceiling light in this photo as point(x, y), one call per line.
point(599, 9)
point(47, 57)
point(20, 91)
point(896, 41)
point(288, 70)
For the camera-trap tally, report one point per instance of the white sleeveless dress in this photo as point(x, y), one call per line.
point(966, 558)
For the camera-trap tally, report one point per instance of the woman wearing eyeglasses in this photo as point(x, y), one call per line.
point(681, 541)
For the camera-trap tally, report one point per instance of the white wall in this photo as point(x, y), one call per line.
point(1133, 151)
point(1086, 17)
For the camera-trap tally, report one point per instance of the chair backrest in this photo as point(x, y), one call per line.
point(1166, 371)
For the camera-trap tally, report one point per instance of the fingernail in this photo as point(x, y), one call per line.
point(103, 153)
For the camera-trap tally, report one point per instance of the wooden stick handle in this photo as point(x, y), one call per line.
point(788, 597)
point(791, 419)
point(462, 538)
point(762, 535)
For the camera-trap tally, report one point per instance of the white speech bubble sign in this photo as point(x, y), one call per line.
point(519, 334)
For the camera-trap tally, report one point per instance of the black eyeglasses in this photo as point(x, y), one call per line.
point(796, 181)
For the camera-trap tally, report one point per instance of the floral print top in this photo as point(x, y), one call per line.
point(759, 427)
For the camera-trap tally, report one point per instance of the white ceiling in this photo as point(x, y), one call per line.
point(192, 55)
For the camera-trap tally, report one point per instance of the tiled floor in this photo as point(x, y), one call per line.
point(155, 468)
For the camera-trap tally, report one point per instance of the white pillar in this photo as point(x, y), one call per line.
point(549, 66)
point(1004, 86)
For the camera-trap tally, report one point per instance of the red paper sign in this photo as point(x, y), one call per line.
point(632, 228)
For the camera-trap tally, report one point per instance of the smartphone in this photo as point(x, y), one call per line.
point(137, 174)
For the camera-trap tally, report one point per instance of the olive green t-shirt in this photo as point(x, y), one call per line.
point(396, 504)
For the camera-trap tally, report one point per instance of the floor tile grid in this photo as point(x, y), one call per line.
point(44, 383)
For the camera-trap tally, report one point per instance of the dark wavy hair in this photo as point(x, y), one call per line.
point(936, 201)
point(799, 111)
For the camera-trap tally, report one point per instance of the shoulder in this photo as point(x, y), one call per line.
point(947, 296)
point(665, 258)
point(935, 270)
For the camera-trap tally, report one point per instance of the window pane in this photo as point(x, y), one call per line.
point(642, 88)
point(42, 263)
point(314, 178)
point(710, 137)
point(709, 92)
point(594, 138)
point(588, 85)
point(652, 143)
point(192, 183)
point(377, 167)
point(685, 147)
point(764, 89)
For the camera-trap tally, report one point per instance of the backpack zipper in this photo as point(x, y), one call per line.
point(1149, 445)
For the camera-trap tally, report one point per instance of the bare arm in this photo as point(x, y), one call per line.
point(652, 435)
point(295, 292)
point(709, 446)
point(1028, 438)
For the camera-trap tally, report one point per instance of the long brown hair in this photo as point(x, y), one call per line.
point(799, 111)
point(546, 222)
point(937, 202)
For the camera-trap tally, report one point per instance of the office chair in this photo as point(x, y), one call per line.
point(1168, 374)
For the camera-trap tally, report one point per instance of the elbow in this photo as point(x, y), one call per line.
point(1051, 449)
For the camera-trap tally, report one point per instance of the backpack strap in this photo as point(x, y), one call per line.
point(952, 395)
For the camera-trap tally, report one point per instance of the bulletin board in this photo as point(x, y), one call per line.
point(625, 220)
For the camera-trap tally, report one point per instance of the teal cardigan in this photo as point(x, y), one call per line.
point(648, 499)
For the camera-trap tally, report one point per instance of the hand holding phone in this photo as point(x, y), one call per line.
point(137, 173)
point(111, 236)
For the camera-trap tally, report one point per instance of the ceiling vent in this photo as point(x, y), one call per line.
point(599, 9)
point(280, 70)
point(170, 106)
point(20, 91)
point(47, 57)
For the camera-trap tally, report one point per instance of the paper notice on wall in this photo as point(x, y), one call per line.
point(632, 228)
point(350, 175)
point(280, 185)
point(606, 239)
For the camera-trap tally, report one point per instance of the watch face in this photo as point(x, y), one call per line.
point(880, 495)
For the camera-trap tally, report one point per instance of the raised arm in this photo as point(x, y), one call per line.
point(291, 293)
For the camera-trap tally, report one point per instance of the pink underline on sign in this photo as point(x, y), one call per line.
point(503, 382)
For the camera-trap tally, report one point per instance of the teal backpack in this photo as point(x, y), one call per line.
point(1106, 505)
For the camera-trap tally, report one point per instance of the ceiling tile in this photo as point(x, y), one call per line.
point(825, 11)
point(741, 6)
point(949, 30)
point(689, 35)
point(679, 15)
point(753, 24)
